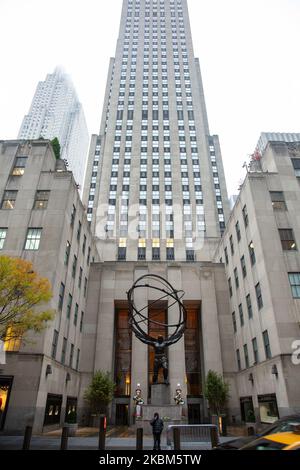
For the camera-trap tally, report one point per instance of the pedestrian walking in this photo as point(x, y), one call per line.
point(157, 428)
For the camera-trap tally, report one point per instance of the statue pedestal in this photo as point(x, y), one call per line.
point(160, 394)
point(160, 403)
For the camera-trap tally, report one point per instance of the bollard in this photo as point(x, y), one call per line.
point(27, 438)
point(176, 438)
point(64, 438)
point(102, 432)
point(214, 436)
point(139, 439)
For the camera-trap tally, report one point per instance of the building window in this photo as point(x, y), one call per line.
point(255, 350)
point(41, 199)
point(238, 231)
point(63, 351)
point(226, 255)
point(80, 277)
point(78, 231)
point(33, 239)
point(287, 239)
point(234, 322)
point(231, 244)
point(249, 306)
point(85, 286)
point(294, 282)
point(3, 232)
point(54, 344)
point(238, 359)
point(9, 200)
point(190, 255)
point(76, 314)
point(241, 313)
point(77, 359)
point(71, 356)
point(245, 216)
point(12, 341)
point(19, 167)
point(246, 355)
point(267, 344)
point(61, 296)
point(259, 296)
point(236, 278)
point(278, 201)
point(252, 253)
point(81, 322)
point(67, 253)
point(230, 287)
point(296, 165)
point(84, 244)
point(243, 265)
point(73, 215)
point(74, 265)
point(69, 305)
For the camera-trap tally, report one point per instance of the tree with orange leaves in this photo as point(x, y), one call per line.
point(23, 299)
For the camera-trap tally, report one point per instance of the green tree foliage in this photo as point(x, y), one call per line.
point(216, 391)
point(56, 147)
point(100, 392)
point(22, 291)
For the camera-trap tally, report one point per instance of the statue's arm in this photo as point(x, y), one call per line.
point(145, 340)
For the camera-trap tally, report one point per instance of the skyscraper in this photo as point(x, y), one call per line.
point(155, 186)
point(56, 112)
point(156, 198)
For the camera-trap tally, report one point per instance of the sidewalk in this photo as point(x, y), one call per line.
point(91, 443)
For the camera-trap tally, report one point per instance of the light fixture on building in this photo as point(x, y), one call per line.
point(275, 370)
point(138, 385)
point(68, 377)
point(250, 378)
point(48, 370)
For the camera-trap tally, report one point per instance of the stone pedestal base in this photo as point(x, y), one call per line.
point(160, 394)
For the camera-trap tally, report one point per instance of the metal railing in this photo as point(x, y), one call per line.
point(194, 435)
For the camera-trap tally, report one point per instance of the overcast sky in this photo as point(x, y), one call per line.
point(248, 50)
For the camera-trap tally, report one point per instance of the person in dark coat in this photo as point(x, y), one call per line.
point(157, 428)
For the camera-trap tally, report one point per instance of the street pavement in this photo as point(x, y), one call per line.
point(91, 443)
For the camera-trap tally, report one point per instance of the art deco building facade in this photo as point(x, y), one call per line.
point(157, 202)
point(56, 112)
point(43, 220)
point(260, 250)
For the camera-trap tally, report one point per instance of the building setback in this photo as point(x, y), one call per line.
point(260, 250)
point(55, 111)
point(42, 220)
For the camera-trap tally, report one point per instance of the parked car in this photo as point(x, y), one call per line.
point(281, 441)
point(279, 426)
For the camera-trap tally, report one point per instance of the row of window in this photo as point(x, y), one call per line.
point(64, 352)
point(256, 358)
point(156, 252)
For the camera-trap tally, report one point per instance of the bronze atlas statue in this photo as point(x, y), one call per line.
point(140, 320)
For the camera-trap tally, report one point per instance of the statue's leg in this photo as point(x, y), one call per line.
point(165, 370)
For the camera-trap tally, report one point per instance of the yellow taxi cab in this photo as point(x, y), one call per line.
point(282, 441)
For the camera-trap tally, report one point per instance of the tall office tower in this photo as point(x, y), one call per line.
point(155, 186)
point(156, 198)
point(56, 112)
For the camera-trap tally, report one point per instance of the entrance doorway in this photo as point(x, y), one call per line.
point(194, 414)
point(5, 389)
point(121, 414)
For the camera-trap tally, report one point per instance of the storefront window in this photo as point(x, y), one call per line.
point(268, 408)
point(5, 388)
point(53, 409)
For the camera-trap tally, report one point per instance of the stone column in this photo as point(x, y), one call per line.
point(177, 371)
point(139, 355)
